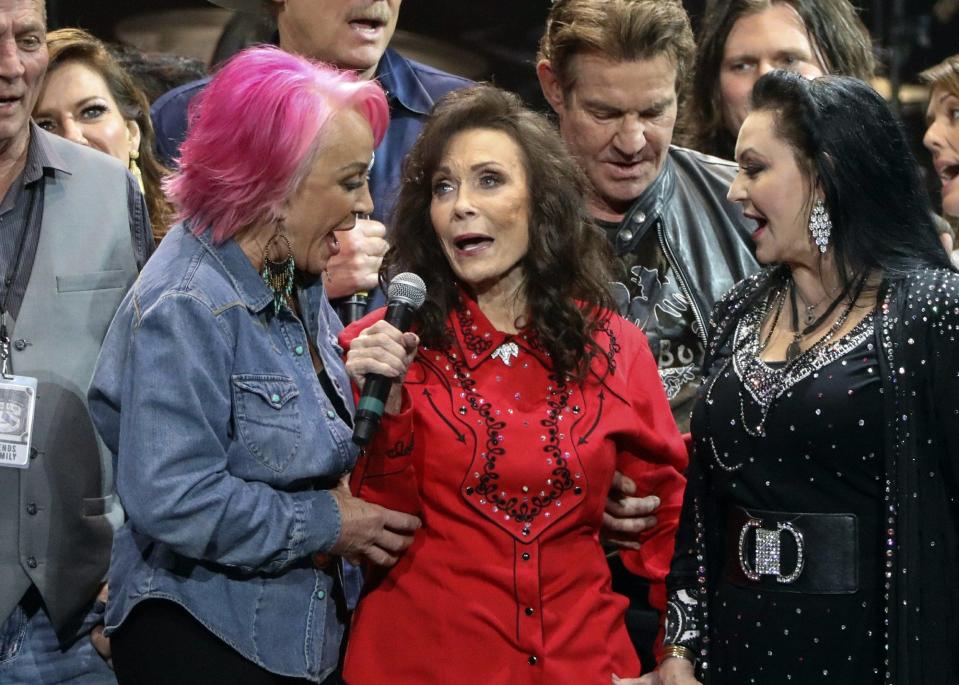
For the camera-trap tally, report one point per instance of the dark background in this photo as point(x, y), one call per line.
point(503, 34)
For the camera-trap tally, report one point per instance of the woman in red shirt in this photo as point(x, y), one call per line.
point(523, 396)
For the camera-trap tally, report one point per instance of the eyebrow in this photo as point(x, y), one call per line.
point(41, 112)
point(354, 167)
point(86, 101)
point(938, 101)
point(946, 95)
point(660, 104)
point(30, 27)
point(752, 54)
point(744, 153)
point(443, 169)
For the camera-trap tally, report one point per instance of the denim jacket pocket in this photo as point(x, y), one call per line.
point(267, 417)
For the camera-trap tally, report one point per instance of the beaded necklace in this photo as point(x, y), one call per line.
point(795, 347)
point(766, 384)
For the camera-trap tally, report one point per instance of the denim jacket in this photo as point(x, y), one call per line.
point(225, 446)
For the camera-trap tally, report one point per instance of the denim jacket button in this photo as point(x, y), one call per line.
point(298, 350)
point(320, 594)
point(330, 414)
point(275, 398)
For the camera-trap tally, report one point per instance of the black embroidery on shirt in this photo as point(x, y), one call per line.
point(614, 346)
point(400, 449)
point(474, 343)
point(535, 342)
point(461, 437)
point(521, 510)
point(599, 414)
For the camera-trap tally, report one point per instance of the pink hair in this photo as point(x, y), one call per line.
point(253, 135)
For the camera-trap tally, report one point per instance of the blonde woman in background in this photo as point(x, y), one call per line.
point(942, 137)
point(89, 99)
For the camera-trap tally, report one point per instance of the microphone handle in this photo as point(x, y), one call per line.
point(376, 388)
point(354, 307)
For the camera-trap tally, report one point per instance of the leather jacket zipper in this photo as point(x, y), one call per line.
point(681, 277)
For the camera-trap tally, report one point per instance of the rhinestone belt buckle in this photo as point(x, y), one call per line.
point(766, 551)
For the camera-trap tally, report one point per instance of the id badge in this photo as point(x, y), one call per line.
point(18, 399)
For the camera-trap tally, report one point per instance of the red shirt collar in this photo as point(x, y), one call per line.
point(479, 341)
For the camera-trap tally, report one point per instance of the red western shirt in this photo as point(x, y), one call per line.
point(509, 470)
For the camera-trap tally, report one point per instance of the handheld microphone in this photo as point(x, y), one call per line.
point(406, 294)
point(354, 307)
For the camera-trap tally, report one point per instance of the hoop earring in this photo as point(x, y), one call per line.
point(820, 225)
point(278, 274)
point(135, 169)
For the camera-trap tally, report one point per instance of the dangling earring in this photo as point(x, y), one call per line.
point(820, 225)
point(278, 274)
point(135, 169)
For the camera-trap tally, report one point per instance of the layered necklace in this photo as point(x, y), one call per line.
point(765, 383)
point(795, 347)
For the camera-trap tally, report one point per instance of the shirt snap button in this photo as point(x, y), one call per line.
point(298, 350)
point(32, 562)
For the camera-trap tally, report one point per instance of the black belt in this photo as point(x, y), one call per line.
point(788, 552)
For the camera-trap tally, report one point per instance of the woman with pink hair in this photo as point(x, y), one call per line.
point(221, 392)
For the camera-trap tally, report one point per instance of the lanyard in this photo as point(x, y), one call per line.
point(12, 271)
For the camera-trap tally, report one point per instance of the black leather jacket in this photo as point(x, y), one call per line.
point(703, 235)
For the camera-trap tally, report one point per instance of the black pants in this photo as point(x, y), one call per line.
point(161, 643)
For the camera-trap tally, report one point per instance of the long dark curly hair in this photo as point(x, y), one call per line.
point(565, 271)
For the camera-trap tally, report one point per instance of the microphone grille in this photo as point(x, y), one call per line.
point(409, 288)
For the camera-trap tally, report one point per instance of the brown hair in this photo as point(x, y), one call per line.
point(836, 33)
point(565, 270)
point(620, 30)
point(944, 74)
point(76, 45)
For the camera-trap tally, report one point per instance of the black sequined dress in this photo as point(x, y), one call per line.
point(812, 443)
point(915, 560)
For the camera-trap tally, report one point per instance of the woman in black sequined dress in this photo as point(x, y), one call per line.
point(822, 493)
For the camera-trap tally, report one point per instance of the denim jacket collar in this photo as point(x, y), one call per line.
point(401, 84)
point(248, 283)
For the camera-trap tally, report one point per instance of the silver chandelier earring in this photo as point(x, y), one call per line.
point(820, 225)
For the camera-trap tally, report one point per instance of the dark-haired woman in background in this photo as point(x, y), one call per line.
point(744, 39)
point(524, 396)
point(88, 98)
point(818, 540)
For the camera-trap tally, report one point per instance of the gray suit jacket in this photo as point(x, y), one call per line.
point(57, 516)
